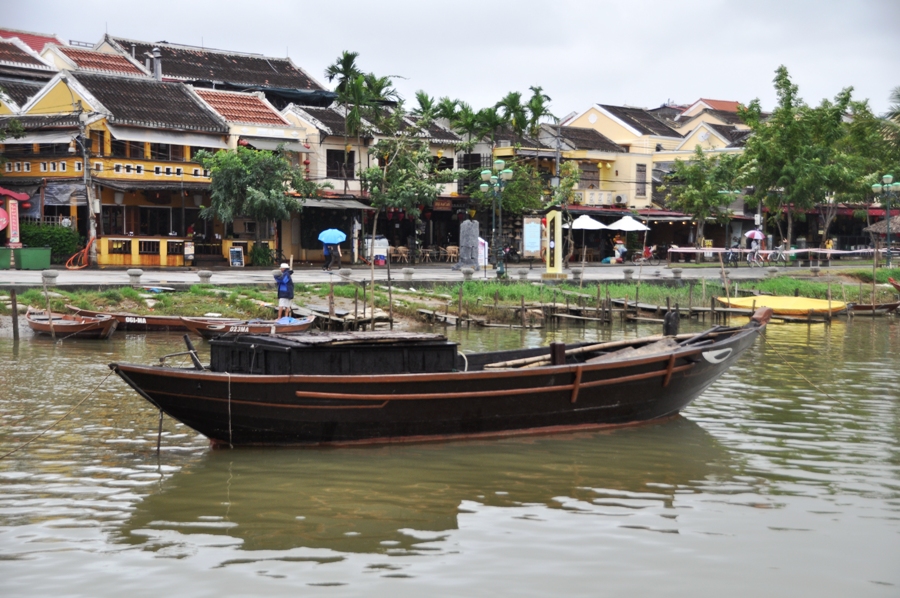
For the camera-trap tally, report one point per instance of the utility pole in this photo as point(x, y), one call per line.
point(86, 169)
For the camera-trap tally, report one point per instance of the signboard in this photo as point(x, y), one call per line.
point(531, 238)
point(4, 219)
point(442, 205)
point(14, 240)
point(189, 250)
point(236, 257)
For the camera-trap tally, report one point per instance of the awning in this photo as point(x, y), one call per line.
point(335, 204)
point(121, 185)
point(42, 137)
point(170, 137)
point(272, 143)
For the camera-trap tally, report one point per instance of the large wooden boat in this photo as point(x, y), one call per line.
point(787, 305)
point(344, 388)
point(216, 327)
point(70, 325)
point(135, 322)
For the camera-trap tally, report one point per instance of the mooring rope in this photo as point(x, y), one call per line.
point(808, 381)
point(230, 443)
point(53, 425)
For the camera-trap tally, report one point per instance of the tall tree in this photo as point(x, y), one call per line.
point(538, 108)
point(702, 187)
point(349, 90)
point(513, 112)
point(253, 184)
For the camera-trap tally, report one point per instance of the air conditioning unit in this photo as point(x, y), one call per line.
point(605, 199)
point(620, 199)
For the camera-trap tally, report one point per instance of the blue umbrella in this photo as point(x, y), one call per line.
point(332, 236)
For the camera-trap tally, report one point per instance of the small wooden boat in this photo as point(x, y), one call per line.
point(867, 309)
point(135, 322)
point(216, 327)
point(787, 306)
point(375, 387)
point(70, 325)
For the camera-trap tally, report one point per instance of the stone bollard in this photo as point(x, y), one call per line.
point(577, 273)
point(676, 272)
point(467, 273)
point(522, 273)
point(629, 273)
point(134, 276)
point(49, 277)
point(815, 270)
point(345, 273)
point(772, 272)
point(204, 275)
point(408, 273)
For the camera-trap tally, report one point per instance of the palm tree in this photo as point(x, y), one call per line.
point(465, 122)
point(490, 122)
point(892, 123)
point(347, 74)
point(513, 112)
point(447, 109)
point(426, 107)
point(538, 108)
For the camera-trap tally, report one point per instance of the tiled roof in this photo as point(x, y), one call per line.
point(436, 132)
point(736, 137)
point(150, 103)
point(241, 107)
point(641, 120)
point(724, 105)
point(33, 122)
point(589, 139)
point(507, 133)
point(101, 61)
point(20, 91)
point(190, 63)
point(10, 53)
point(327, 117)
point(35, 41)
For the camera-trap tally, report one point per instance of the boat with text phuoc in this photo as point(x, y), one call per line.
point(374, 387)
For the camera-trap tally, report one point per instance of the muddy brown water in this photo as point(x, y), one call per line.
point(764, 486)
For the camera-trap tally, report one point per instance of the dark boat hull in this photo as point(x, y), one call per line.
point(240, 409)
point(209, 328)
point(71, 326)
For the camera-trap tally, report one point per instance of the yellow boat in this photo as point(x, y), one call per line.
point(786, 306)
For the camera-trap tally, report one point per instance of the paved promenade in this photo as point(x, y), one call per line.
point(428, 273)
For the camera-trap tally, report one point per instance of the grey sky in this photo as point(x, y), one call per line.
point(628, 52)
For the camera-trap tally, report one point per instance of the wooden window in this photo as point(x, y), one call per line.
point(335, 166)
point(28, 166)
point(62, 166)
point(139, 169)
point(148, 247)
point(119, 246)
point(136, 149)
point(98, 140)
point(119, 148)
point(159, 151)
point(117, 168)
point(176, 153)
point(640, 189)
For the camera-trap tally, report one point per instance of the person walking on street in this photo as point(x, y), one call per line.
point(332, 256)
point(285, 286)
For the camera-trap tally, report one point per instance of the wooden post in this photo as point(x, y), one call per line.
point(356, 309)
point(14, 303)
point(49, 313)
point(523, 311)
point(331, 301)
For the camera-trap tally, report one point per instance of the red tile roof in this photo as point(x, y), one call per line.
point(724, 105)
point(241, 107)
point(100, 61)
point(10, 53)
point(35, 41)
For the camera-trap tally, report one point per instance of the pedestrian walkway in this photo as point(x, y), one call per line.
point(428, 273)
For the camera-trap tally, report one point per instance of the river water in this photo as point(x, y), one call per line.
point(766, 485)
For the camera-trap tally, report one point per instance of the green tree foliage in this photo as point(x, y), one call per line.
point(538, 108)
point(253, 184)
point(521, 193)
point(701, 187)
point(62, 240)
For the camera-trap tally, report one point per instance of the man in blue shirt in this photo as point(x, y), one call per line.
point(285, 290)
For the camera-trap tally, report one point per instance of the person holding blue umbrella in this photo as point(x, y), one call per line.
point(331, 240)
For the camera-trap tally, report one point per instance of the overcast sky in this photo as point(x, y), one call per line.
point(625, 52)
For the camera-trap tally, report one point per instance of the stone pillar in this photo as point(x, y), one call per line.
point(467, 273)
point(49, 277)
point(676, 272)
point(408, 273)
point(204, 276)
point(346, 272)
point(577, 273)
point(772, 272)
point(629, 273)
point(523, 273)
point(134, 276)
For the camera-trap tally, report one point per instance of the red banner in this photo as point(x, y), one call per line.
point(4, 219)
point(14, 224)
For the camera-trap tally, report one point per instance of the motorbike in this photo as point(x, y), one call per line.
point(511, 254)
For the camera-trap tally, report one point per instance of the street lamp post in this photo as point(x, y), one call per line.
point(495, 183)
point(887, 189)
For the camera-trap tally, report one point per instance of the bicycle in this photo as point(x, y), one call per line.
point(732, 257)
point(754, 260)
point(648, 256)
point(778, 255)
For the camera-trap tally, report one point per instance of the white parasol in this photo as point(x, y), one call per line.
point(583, 223)
point(754, 234)
point(628, 224)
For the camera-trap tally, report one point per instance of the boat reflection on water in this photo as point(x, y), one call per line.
point(365, 500)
